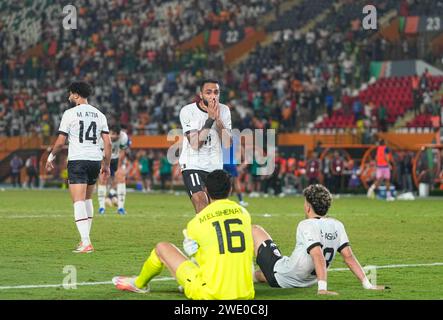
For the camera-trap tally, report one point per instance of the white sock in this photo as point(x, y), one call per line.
point(121, 195)
point(101, 192)
point(90, 212)
point(81, 220)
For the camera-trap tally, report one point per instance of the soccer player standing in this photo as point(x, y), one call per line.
point(83, 124)
point(206, 124)
point(220, 239)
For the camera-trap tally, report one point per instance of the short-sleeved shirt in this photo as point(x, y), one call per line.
point(209, 157)
point(83, 125)
point(226, 249)
point(298, 269)
point(121, 143)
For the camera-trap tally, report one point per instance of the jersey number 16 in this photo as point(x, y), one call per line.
point(229, 235)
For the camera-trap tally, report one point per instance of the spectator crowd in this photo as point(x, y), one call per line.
point(143, 78)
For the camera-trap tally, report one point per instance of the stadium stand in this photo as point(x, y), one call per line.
point(133, 82)
point(144, 83)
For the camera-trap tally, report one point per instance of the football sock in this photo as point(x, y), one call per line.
point(81, 220)
point(121, 195)
point(151, 268)
point(240, 196)
point(101, 192)
point(89, 211)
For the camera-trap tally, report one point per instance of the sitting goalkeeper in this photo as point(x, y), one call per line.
point(219, 238)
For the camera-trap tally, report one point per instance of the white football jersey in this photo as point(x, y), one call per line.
point(298, 269)
point(83, 125)
point(121, 143)
point(209, 157)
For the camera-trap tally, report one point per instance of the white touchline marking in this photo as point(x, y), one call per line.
point(389, 266)
point(34, 216)
point(393, 266)
point(115, 216)
point(72, 284)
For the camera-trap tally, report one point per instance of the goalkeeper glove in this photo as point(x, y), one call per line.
point(189, 246)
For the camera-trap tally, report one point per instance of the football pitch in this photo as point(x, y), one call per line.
point(37, 234)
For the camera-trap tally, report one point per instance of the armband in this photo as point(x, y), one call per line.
point(208, 124)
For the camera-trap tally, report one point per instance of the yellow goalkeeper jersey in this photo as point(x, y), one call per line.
point(226, 249)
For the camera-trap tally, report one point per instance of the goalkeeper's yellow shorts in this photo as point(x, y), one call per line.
point(189, 277)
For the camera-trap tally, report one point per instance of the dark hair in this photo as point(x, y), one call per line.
point(319, 197)
point(205, 81)
point(218, 184)
point(82, 88)
point(115, 128)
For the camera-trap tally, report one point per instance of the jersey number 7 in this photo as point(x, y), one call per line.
point(92, 127)
point(329, 252)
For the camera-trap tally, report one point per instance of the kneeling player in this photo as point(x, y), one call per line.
point(319, 238)
point(120, 143)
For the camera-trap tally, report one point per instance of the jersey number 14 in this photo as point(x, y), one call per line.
point(92, 127)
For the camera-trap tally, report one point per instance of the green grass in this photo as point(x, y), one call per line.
point(37, 234)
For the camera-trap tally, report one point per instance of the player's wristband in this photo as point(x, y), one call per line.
point(51, 157)
point(322, 285)
point(208, 123)
point(366, 284)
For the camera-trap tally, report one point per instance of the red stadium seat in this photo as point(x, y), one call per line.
point(394, 93)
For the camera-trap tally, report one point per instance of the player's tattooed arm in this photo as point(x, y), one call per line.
point(197, 138)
